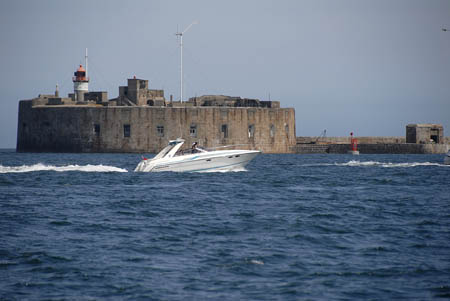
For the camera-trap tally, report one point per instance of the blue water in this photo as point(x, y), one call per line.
point(86, 227)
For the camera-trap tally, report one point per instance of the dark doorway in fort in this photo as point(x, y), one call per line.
point(126, 130)
point(193, 130)
point(97, 129)
point(434, 135)
point(251, 131)
point(224, 131)
point(160, 130)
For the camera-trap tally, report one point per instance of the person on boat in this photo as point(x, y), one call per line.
point(194, 147)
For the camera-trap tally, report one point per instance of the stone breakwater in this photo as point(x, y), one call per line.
point(375, 148)
point(346, 140)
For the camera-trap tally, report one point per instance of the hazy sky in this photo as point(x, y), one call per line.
point(370, 67)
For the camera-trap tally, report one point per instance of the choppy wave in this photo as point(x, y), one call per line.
point(44, 167)
point(391, 222)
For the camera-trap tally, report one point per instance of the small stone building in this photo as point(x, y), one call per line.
point(137, 93)
point(425, 133)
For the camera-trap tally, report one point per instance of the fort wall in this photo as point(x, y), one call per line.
point(78, 128)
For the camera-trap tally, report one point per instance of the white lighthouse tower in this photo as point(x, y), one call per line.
point(81, 82)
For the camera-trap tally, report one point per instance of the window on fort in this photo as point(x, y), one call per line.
point(224, 131)
point(286, 128)
point(126, 130)
point(97, 129)
point(193, 130)
point(272, 131)
point(160, 130)
point(251, 131)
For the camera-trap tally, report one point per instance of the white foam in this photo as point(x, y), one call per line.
point(254, 261)
point(387, 164)
point(358, 163)
point(44, 167)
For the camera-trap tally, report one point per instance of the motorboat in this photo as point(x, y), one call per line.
point(447, 158)
point(196, 159)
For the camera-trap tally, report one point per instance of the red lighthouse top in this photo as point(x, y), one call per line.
point(80, 75)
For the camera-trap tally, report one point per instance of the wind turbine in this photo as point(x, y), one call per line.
point(181, 56)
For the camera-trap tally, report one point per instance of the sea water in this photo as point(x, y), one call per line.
point(86, 227)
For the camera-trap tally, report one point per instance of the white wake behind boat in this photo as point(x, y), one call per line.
point(171, 158)
point(447, 158)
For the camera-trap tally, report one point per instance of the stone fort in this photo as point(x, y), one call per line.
point(143, 120)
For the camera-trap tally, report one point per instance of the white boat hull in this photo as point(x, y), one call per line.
point(228, 160)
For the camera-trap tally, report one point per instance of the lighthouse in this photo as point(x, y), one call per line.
point(81, 81)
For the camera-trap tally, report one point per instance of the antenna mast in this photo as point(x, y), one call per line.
point(180, 34)
point(86, 62)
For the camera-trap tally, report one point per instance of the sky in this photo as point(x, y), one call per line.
point(368, 67)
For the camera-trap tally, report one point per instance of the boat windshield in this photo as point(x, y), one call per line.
point(170, 149)
point(190, 151)
point(173, 149)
